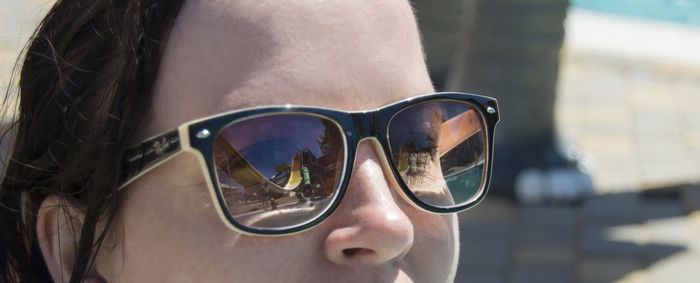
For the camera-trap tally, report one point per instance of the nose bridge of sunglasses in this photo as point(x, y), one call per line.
point(364, 123)
point(385, 165)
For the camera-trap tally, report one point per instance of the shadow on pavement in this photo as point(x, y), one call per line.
point(629, 237)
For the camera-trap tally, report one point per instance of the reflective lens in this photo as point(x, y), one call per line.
point(279, 171)
point(438, 149)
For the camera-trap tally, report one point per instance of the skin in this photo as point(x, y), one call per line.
point(223, 55)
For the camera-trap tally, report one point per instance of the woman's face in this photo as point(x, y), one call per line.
point(223, 55)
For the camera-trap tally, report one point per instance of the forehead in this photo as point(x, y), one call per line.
point(351, 55)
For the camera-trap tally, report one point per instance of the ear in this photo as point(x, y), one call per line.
point(58, 227)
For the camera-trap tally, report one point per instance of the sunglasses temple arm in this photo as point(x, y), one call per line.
point(138, 160)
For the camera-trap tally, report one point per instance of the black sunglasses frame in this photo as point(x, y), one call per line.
point(198, 138)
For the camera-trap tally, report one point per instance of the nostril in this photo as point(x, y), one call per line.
point(351, 252)
point(356, 251)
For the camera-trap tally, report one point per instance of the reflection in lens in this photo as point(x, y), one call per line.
point(279, 171)
point(438, 149)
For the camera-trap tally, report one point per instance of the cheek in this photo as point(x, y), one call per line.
point(170, 230)
point(168, 225)
point(435, 248)
point(172, 233)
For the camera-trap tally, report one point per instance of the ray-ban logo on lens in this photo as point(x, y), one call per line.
point(159, 147)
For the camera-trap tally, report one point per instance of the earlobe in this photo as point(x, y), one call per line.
point(58, 227)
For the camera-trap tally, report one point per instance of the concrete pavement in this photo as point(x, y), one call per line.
point(651, 236)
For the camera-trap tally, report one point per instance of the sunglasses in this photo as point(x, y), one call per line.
point(284, 169)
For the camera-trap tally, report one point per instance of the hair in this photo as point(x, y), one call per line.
point(84, 86)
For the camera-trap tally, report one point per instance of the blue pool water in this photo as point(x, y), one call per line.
point(466, 184)
point(679, 11)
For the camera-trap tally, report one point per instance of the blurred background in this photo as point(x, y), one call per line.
point(597, 164)
point(597, 160)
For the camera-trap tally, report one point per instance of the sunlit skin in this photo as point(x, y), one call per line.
point(223, 55)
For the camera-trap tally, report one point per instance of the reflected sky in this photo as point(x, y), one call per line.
point(271, 141)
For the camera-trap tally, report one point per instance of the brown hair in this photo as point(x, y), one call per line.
point(84, 86)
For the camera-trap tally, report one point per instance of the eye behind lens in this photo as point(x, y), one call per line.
point(438, 149)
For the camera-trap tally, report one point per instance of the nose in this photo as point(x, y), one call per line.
point(369, 227)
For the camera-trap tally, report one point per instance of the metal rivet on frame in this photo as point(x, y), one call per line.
point(203, 133)
point(491, 110)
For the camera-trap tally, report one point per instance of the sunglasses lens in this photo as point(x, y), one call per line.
point(279, 171)
point(438, 149)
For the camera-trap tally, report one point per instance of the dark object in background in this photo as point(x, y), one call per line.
point(508, 49)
